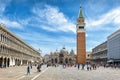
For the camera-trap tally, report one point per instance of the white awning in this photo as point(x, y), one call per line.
point(110, 61)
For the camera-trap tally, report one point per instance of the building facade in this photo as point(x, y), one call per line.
point(46, 58)
point(89, 57)
point(60, 57)
point(113, 44)
point(14, 51)
point(81, 40)
point(99, 53)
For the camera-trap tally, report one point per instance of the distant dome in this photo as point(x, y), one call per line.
point(63, 48)
point(72, 52)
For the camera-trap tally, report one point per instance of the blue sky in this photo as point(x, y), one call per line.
point(51, 24)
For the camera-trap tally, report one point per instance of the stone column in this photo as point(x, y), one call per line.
point(2, 62)
point(13, 61)
point(21, 62)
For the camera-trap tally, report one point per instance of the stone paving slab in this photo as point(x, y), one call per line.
point(17, 72)
point(59, 73)
point(73, 74)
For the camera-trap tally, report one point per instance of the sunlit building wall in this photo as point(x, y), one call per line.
point(14, 51)
point(99, 53)
point(113, 44)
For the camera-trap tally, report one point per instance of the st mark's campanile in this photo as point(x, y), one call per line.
point(81, 39)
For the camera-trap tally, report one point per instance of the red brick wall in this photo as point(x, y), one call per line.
point(81, 48)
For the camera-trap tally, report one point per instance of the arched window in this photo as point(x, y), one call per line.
point(70, 60)
point(66, 60)
point(88, 55)
point(52, 60)
point(56, 60)
point(61, 55)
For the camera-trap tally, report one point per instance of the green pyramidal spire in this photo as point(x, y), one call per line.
point(80, 13)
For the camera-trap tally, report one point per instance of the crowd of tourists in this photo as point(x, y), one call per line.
point(38, 66)
point(112, 65)
point(87, 66)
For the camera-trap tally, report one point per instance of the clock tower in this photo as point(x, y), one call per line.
point(81, 40)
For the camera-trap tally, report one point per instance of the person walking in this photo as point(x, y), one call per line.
point(31, 66)
point(78, 66)
point(28, 70)
point(88, 67)
point(39, 68)
point(83, 65)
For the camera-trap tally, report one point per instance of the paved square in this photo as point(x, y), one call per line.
point(59, 73)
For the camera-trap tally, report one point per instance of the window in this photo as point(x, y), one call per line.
point(61, 55)
point(81, 27)
point(88, 55)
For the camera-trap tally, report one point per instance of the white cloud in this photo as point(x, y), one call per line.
point(46, 43)
point(49, 18)
point(39, 37)
point(4, 20)
point(112, 17)
point(49, 28)
point(9, 23)
point(53, 20)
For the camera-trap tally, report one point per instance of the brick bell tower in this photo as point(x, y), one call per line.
point(81, 40)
